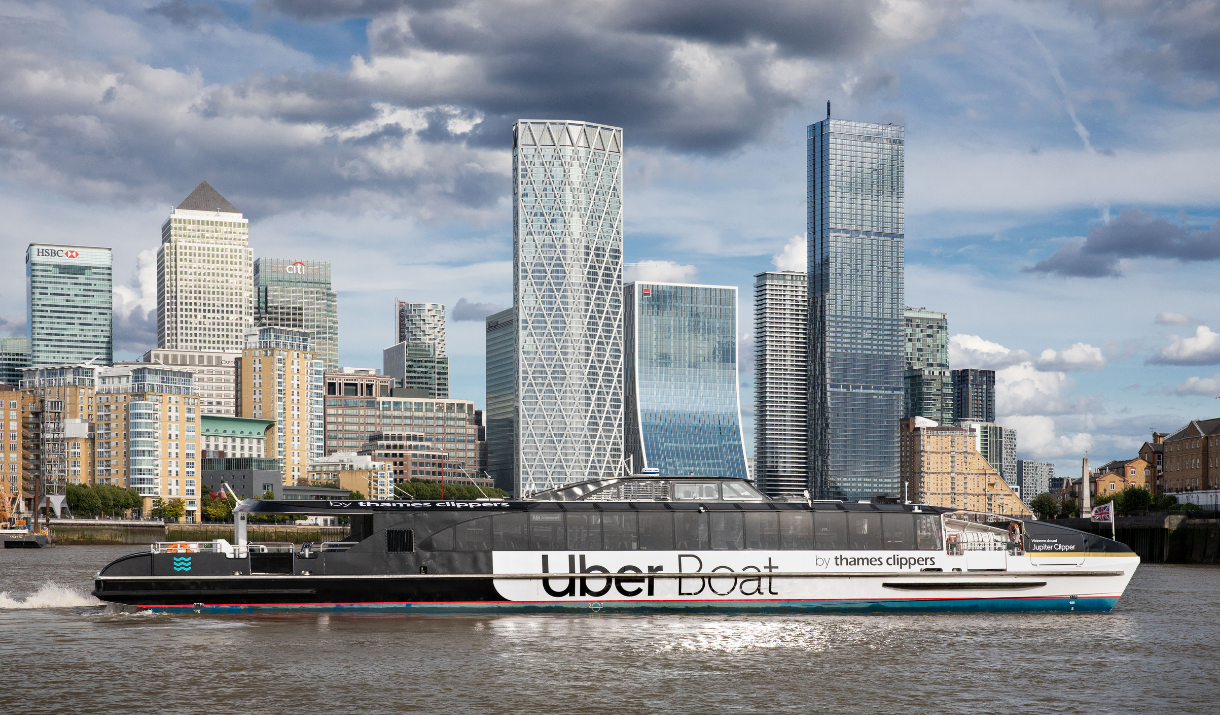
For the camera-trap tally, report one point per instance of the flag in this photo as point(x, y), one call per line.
point(1104, 513)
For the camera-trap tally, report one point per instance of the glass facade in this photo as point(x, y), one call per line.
point(416, 366)
point(781, 383)
point(421, 323)
point(855, 226)
point(297, 294)
point(14, 355)
point(70, 299)
point(501, 396)
point(567, 291)
point(683, 409)
point(973, 395)
point(927, 387)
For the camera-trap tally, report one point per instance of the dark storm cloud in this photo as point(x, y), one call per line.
point(183, 14)
point(465, 310)
point(135, 332)
point(1134, 234)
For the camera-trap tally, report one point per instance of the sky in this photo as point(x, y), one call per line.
point(1062, 197)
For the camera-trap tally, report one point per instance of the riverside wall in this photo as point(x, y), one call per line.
point(99, 532)
point(1161, 539)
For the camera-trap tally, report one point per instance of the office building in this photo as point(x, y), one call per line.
point(225, 437)
point(781, 383)
point(350, 422)
point(683, 413)
point(501, 396)
point(998, 445)
point(421, 323)
point(70, 304)
point(941, 467)
point(205, 275)
point(927, 386)
point(855, 230)
point(275, 381)
point(418, 434)
point(297, 294)
point(215, 375)
point(419, 367)
point(1034, 478)
point(411, 455)
point(14, 355)
point(973, 395)
point(353, 472)
point(567, 291)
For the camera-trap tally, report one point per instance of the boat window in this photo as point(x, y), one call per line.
point(440, 541)
point(690, 530)
point(830, 530)
point(864, 531)
point(762, 530)
point(510, 532)
point(399, 541)
point(473, 535)
point(696, 491)
point(546, 531)
point(735, 491)
point(927, 532)
point(619, 531)
point(726, 530)
point(585, 531)
point(898, 531)
point(795, 530)
point(656, 530)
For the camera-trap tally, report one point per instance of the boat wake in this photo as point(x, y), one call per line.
point(49, 595)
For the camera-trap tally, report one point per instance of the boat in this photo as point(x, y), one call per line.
point(633, 544)
point(22, 538)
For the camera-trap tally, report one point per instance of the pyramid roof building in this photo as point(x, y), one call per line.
point(205, 198)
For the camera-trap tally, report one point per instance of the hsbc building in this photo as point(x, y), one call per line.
point(69, 303)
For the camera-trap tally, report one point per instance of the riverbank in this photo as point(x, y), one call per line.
point(100, 532)
point(1161, 538)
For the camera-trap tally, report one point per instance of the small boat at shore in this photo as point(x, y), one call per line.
point(634, 544)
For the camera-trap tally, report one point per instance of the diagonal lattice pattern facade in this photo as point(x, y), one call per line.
point(567, 291)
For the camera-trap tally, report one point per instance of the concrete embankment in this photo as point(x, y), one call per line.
point(95, 532)
point(1161, 539)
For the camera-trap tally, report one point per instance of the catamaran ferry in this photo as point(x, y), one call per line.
point(634, 544)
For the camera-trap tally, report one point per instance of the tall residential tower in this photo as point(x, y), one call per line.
point(205, 277)
point(568, 295)
point(928, 391)
point(855, 230)
point(781, 383)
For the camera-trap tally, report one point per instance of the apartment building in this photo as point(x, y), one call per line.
point(941, 466)
point(275, 381)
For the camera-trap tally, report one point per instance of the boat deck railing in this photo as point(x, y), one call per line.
point(241, 551)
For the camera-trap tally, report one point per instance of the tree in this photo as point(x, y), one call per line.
point(354, 495)
point(218, 509)
point(1045, 506)
point(1133, 499)
point(172, 509)
point(428, 489)
point(83, 500)
point(1069, 508)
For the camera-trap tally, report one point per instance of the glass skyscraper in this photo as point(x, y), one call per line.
point(927, 388)
point(683, 410)
point(70, 299)
point(567, 291)
point(781, 382)
point(297, 294)
point(501, 396)
point(973, 394)
point(14, 355)
point(855, 230)
point(421, 323)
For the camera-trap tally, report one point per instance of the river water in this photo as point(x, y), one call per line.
point(60, 651)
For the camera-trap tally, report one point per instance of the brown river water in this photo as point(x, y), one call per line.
point(63, 652)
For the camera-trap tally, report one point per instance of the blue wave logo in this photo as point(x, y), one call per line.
point(182, 563)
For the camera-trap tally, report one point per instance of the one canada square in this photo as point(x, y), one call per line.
point(568, 296)
point(855, 264)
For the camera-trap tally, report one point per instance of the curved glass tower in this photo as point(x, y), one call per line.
point(683, 409)
point(567, 291)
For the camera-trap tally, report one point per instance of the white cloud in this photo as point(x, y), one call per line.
point(658, 272)
point(143, 291)
point(1025, 390)
point(1037, 438)
point(1167, 318)
point(792, 257)
point(1081, 356)
point(972, 351)
point(1201, 349)
point(1203, 386)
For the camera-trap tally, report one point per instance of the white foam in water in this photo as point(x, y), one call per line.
point(49, 595)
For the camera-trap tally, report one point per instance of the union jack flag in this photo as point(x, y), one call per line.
point(1104, 513)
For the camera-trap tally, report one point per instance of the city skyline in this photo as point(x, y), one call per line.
point(1007, 165)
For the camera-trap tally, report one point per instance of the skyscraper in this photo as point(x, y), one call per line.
point(781, 382)
point(416, 366)
point(567, 291)
point(14, 355)
point(297, 294)
point(683, 411)
point(973, 395)
point(927, 389)
point(421, 323)
point(501, 396)
point(205, 277)
point(1035, 478)
point(70, 299)
point(855, 230)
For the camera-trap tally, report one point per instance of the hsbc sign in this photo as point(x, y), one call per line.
point(55, 253)
point(68, 254)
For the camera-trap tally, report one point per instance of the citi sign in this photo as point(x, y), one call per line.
point(55, 253)
point(298, 268)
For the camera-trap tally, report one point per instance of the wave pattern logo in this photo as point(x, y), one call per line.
point(182, 563)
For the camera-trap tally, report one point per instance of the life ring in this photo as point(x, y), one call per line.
point(179, 547)
point(1014, 532)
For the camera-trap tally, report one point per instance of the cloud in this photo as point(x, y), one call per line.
point(658, 272)
point(1203, 348)
point(135, 307)
point(1167, 318)
point(1038, 437)
point(792, 257)
point(465, 310)
point(1025, 390)
point(1080, 356)
point(185, 15)
point(1134, 234)
point(745, 355)
point(1201, 386)
point(972, 351)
